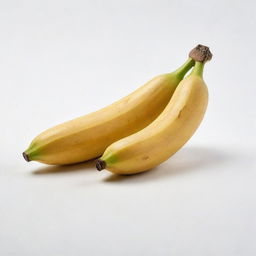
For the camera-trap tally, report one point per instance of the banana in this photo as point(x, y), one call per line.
point(88, 136)
point(169, 132)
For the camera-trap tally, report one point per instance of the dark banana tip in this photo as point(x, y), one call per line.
point(100, 164)
point(201, 53)
point(26, 157)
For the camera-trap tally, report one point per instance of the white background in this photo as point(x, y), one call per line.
point(63, 59)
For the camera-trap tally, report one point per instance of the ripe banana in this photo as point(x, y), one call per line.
point(168, 133)
point(88, 136)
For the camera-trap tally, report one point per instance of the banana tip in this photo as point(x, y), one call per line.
point(100, 164)
point(25, 156)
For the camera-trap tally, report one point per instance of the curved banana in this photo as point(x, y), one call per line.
point(164, 136)
point(88, 136)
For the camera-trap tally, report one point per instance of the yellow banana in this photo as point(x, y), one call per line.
point(88, 136)
point(168, 133)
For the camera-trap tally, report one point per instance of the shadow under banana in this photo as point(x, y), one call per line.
point(186, 160)
point(55, 169)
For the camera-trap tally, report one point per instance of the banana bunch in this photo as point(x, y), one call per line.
point(137, 132)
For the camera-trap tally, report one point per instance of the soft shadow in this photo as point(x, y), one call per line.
point(186, 160)
point(55, 169)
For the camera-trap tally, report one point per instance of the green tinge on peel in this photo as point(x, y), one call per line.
point(181, 71)
point(109, 159)
point(30, 153)
point(198, 69)
point(105, 161)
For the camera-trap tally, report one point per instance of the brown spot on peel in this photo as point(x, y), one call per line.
point(180, 112)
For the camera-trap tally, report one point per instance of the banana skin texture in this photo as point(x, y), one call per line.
point(88, 136)
point(164, 136)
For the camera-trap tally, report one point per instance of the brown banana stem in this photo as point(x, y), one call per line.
point(201, 53)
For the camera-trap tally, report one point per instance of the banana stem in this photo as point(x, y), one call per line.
point(181, 71)
point(198, 69)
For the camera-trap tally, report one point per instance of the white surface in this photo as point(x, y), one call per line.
point(62, 59)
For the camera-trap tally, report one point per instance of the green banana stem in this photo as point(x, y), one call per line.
point(200, 54)
point(198, 69)
point(181, 71)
